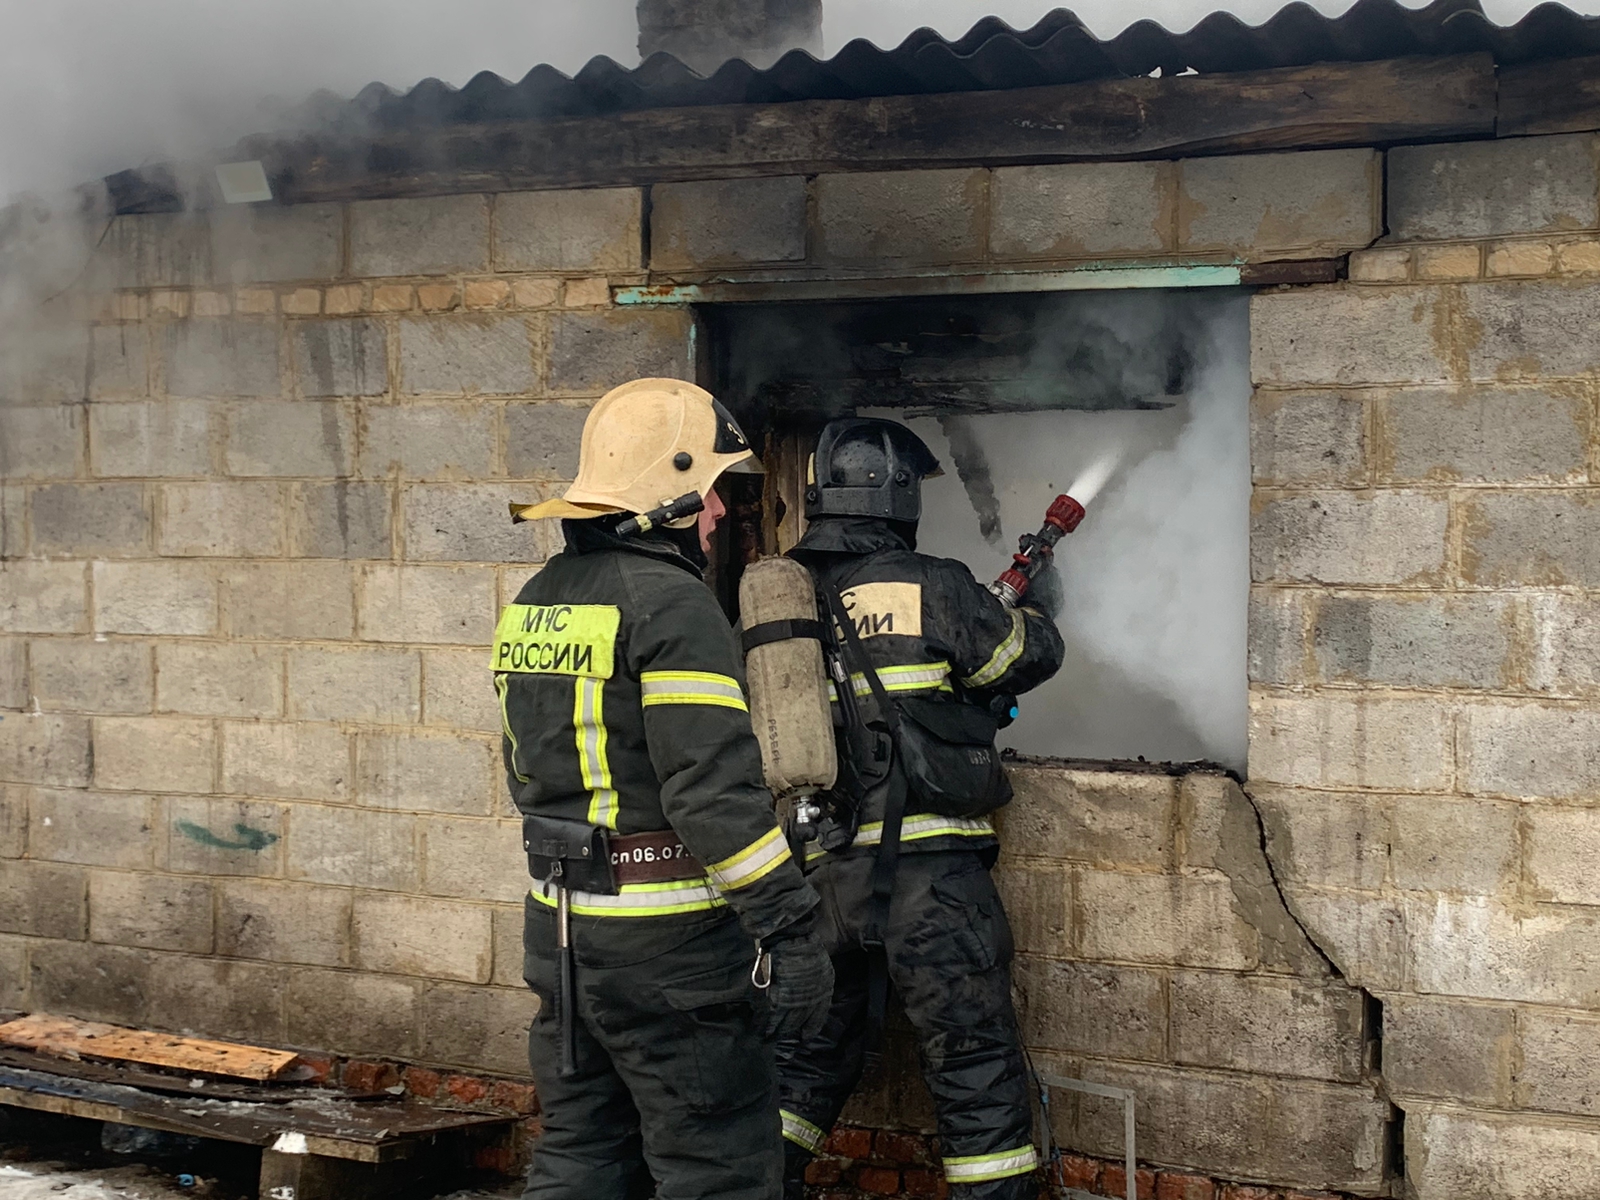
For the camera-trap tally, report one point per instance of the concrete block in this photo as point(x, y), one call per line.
point(1381, 266)
point(355, 847)
point(119, 362)
point(223, 837)
point(1107, 818)
point(727, 223)
point(1497, 436)
point(1417, 640)
point(1561, 844)
point(1454, 846)
point(1435, 1047)
point(438, 235)
point(428, 604)
point(542, 440)
point(341, 358)
point(466, 356)
point(341, 520)
point(455, 692)
point(1342, 538)
point(315, 439)
point(154, 912)
point(465, 522)
point(484, 1029)
point(156, 250)
point(176, 598)
point(1326, 839)
point(43, 899)
point(90, 519)
point(1038, 899)
point(1559, 1069)
point(349, 1013)
point(1475, 946)
point(474, 859)
point(219, 999)
point(40, 748)
point(154, 754)
point(430, 441)
point(592, 352)
point(96, 983)
point(289, 601)
point(1566, 644)
point(170, 438)
point(221, 520)
point(82, 675)
point(426, 773)
point(43, 597)
point(1278, 620)
point(1530, 750)
point(222, 358)
point(1333, 741)
point(1308, 438)
point(1521, 259)
point(1449, 264)
point(508, 946)
point(1534, 538)
point(1324, 1136)
point(436, 939)
point(97, 829)
point(14, 973)
point(1331, 336)
point(1267, 1025)
point(13, 522)
point(298, 761)
point(40, 442)
point(258, 243)
point(910, 216)
point(1301, 205)
point(1364, 936)
point(1532, 330)
point(355, 684)
point(1452, 1153)
point(1088, 1008)
point(283, 922)
point(1080, 209)
point(1479, 189)
point(1163, 919)
point(595, 230)
point(13, 673)
point(219, 680)
point(48, 364)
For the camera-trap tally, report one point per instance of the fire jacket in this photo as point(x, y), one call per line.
point(929, 628)
point(622, 694)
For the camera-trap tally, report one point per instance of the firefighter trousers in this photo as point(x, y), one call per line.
point(949, 952)
point(675, 1086)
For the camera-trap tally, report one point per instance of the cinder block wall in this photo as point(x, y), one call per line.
point(1425, 656)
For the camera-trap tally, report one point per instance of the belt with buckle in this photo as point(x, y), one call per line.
point(656, 857)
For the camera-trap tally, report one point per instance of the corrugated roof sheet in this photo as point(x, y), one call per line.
point(992, 55)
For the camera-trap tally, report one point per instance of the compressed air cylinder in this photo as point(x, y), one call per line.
point(788, 683)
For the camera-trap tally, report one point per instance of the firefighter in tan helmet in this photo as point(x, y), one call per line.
point(669, 934)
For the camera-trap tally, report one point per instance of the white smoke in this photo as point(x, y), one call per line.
point(1157, 577)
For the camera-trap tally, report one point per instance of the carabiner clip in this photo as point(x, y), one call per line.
point(761, 972)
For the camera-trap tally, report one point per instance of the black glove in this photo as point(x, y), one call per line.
point(1045, 593)
point(797, 975)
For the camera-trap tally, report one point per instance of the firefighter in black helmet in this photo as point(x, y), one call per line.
point(902, 861)
point(669, 934)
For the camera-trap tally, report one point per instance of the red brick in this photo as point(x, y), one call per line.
point(422, 1082)
point(1076, 1171)
point(923, 1183)
point(520, 1098)
point(533, 1127)
point(495, 1158)
point(1184, 1187)
point(313, 1068)
point(1241, 1191)
point(824, 1171)
point(1114, 1182)
point(466, 1088)
point(369, 1076)
point(849, 1143)
point(879, 1181)
point(901, 1148)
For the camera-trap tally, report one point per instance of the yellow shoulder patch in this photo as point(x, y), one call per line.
point(883, 608)
point(557, 639)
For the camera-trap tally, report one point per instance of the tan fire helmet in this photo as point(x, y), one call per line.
point(646, 444)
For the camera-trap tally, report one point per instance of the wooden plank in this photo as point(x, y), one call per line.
point(1550, 97)
point(132, 1075)
point(64, 1038)
point(1329, 104)
point(1270, 274)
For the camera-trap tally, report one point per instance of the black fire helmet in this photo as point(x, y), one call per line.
point(868, 467)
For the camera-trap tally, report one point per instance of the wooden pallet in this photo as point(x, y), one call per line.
point(316, 1143)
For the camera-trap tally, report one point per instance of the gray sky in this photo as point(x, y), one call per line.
point(92, 86)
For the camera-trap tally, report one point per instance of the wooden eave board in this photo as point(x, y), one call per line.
point(69, 1039)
